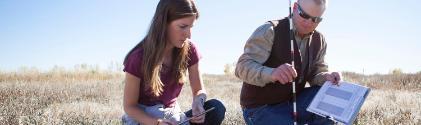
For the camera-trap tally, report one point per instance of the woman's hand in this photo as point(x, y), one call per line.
point(166, 122)
point(197, 108)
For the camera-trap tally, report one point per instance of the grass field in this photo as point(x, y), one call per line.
point(89, 96)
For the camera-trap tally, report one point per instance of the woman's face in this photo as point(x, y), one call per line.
point(179, 31)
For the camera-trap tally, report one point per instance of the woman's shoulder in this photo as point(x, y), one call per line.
point(194, 54)
point(133, 62)
point(192, 48)
point(137, 53)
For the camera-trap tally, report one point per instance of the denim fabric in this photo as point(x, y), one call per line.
point(281, 114)
point(214, 117)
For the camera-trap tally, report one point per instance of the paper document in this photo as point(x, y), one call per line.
point(340, 103)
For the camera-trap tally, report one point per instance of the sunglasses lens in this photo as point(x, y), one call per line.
point(316, 19)
point(306, 16)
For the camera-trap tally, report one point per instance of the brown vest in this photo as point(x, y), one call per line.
point(272, 93)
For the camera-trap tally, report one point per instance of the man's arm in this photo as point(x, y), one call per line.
point(320, 67)
point(250, 67)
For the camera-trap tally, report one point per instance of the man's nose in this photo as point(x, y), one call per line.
point(308, 21)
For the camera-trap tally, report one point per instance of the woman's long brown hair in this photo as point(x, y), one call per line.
point(154, 43)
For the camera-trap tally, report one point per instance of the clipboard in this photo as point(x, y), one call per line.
point(339, 103)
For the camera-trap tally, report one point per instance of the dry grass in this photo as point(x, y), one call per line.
point(391, 107)
point(60, 97)
point(91, 96)
point(400, 81)
point(224, 88)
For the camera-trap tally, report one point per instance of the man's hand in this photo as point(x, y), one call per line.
point(197, 108)
point(284, 73)
point(334, 77)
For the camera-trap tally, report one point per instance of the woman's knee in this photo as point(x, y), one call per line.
point(218, 105)
point(217, 114)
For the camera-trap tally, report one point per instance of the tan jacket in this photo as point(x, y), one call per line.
point(249, 67)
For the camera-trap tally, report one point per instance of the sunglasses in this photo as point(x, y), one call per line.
point(306, 16)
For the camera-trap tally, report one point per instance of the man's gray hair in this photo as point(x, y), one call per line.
point(322, 3)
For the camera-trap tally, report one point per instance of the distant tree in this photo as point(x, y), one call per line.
point(229, 69)
point(397, 71)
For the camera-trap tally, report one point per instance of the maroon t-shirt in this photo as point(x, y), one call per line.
point(172, 87)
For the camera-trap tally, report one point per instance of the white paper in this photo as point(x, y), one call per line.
point(340, 103)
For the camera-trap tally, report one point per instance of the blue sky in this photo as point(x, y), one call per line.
point(373, 36)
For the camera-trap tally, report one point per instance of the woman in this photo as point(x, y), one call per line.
point(156, 69)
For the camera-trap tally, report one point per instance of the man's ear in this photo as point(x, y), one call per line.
point(295, 6)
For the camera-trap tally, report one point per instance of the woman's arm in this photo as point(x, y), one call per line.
point(198, 92)
point(196, 82)
point(131, 96)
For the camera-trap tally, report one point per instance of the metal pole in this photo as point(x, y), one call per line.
point(291, 34)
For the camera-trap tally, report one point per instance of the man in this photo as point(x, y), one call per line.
point(265, 67)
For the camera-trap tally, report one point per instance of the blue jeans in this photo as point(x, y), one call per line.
point(214, 117)
point(281, 114)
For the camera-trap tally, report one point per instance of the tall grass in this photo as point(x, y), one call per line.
point(59, 96)
point(93, 96)
point(401, 81)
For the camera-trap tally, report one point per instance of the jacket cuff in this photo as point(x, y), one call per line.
point(266, 75)
point(319, 79)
